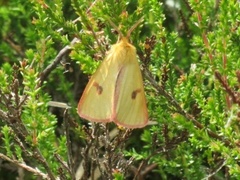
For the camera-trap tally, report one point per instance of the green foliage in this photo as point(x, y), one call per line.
point(190, 57)
point(7, 140)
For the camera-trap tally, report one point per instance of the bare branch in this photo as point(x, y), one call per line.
point(56, 61)
point(24, 166)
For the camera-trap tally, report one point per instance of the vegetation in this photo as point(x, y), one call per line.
point(190, 58)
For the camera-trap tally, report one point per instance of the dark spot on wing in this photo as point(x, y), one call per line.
point(134, 93)
point(98, 88)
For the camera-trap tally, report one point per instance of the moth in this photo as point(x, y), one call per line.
point(115, 92)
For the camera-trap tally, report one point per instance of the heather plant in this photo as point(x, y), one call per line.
point(189, 55)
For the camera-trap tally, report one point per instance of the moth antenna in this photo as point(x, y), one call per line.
point(134, 26)
point(116, 28)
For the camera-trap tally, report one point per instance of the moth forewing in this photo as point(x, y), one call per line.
point(97, 100)
point(130, 102)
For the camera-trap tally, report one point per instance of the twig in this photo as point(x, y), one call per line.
point(61, 161)
point(13, 119)
point(108, 146)
point(227, 88)
point(174, 103)
point(58, 104)
point(77, 19)
point(38, 155)
point(24, 166)
point(218, 168)
point(62, 52)
point(3, 115)
point(69, 147)
point(56, 61)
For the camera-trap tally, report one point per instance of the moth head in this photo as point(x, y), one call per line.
point(133, 27)
point(121, 36)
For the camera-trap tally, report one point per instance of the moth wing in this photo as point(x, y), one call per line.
point(96, 102)
point(130, 107)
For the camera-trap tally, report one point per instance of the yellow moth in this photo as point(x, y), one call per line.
point(115, 92)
